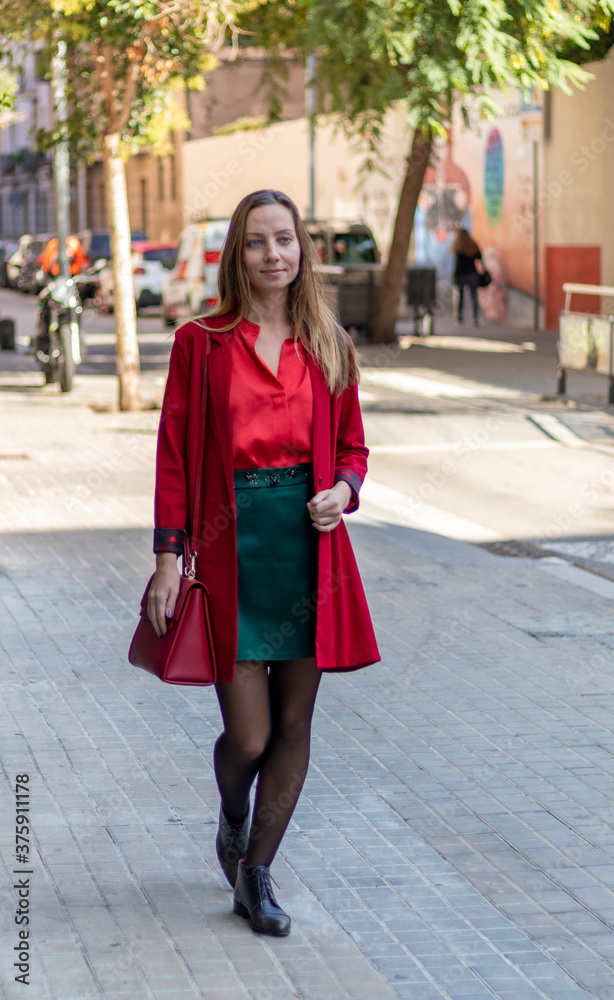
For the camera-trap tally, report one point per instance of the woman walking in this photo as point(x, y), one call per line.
point(284, 459)
point(466, 275)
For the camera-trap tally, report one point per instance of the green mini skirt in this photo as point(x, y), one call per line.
point(277, 556)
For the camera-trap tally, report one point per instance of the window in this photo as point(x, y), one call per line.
point(166, 256)
point(353, 248)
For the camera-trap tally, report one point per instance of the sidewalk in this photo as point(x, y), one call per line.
point(454, 840)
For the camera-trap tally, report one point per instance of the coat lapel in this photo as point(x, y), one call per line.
point(321, 429)
point(220, 366)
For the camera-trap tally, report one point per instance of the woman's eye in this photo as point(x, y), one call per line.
point(286, 239)
point(253, 243)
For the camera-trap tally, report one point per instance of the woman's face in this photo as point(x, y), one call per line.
point(272, 253)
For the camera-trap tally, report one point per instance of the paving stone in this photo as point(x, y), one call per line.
point(452, 839)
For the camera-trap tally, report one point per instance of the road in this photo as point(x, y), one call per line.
point(499, 466)
point(99, 333)
point(462, 440)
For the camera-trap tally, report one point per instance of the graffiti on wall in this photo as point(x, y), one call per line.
point(482, 180)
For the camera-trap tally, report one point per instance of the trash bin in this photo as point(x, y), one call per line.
point(352, 292)
point(7, 334)
point(421, 294)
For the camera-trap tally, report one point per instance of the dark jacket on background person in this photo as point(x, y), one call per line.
point(464, 267)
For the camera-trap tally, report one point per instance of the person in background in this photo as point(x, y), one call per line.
point(74, 252)
point(466, 274)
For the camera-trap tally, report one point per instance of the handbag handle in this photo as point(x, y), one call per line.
point(189, 548)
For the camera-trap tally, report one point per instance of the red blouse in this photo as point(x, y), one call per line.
point(271, 416)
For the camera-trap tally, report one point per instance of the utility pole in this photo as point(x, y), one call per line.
point(61, 156)
point(535, 236)
point(532, 124)
point(311, 112)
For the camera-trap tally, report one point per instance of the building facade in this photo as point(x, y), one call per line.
point(575, 200)
point(26, 186)
point(26, 175)
point(238, 89)
point(155, 193)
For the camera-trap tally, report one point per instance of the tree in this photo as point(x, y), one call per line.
point(430, 55)
point(8, 91)
point(127, 60)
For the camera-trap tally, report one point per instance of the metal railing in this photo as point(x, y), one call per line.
point(586, 340)
point(571, 287)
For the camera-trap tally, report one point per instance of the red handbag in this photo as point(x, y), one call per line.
point(185, 654)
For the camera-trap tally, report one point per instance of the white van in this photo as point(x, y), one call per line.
point(191, 286)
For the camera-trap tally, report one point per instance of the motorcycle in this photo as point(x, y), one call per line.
point(88, 283)
point(57, 344)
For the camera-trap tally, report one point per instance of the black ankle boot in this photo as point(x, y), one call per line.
point(231, 845)
point(255, 901)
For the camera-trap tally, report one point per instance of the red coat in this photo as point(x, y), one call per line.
point(344, 633)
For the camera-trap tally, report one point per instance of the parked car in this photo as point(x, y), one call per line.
point(7, 249)
point(150, 262)
point(190, 288)
point(17, 261)
point(97, 243)
point(343, 243)
point(350, 259)
point(30, 278)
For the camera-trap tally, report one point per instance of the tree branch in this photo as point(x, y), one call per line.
point(117, 123)
point(101, 62)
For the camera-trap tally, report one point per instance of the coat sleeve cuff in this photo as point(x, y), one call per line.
point(354, 482)
point(169, 540)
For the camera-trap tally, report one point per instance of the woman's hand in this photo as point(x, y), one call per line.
point(163, 592)
point(327, 506)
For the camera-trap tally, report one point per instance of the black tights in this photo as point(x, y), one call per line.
point(267, 713)
point(473, 288)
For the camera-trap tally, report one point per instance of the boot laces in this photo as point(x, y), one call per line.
point(264, 879)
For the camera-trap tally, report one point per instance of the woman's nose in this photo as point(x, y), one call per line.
point(272, 252)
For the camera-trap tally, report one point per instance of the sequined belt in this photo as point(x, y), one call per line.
point(287, 475)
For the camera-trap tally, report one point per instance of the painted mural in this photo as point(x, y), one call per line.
point(482, 179)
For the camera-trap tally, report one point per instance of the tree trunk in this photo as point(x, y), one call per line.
point(393, 278)
point(127, 347)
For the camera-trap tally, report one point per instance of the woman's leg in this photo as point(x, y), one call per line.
point(461, 295)
point(246, 714)
point(474, 295)
point(293, 689)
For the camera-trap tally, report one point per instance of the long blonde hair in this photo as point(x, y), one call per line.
point(314, 323)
